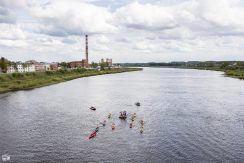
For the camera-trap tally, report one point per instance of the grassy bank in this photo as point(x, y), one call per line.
point(233, 69)
point(24, 81)
point(237, 73)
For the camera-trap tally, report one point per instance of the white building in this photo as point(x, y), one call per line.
point(47, 67)
point(25, 68)
point(30, 68)
point(11, 69)
point(20, 68)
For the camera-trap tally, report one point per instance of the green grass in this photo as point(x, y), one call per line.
point(25, 81)
point(235, 73)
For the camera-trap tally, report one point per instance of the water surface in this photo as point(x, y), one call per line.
point(190, 115)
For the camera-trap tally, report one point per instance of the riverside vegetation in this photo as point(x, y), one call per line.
point(233, 69)
point(24, 81)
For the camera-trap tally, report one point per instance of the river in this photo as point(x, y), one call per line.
point(190, 115)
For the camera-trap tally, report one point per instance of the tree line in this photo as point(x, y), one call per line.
point(228, 65)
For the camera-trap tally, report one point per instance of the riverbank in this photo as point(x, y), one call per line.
point(25, 81)
point(239, 74)
point(234, 69)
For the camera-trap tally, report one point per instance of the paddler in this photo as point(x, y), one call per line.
point(141, 131)
point(97, 128)
point(109, 115)
point(104, 123)
point(141, 122)
point(113, 126)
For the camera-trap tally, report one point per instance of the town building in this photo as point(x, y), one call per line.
point(40, 67)
point(54, 67)
point(86, 62)
point(77, 64)
point(29, 68)
point(83, 62)
point(20, 68)
point(47, 67)
point(11, 69)
point(109, 61)
point(102, 60)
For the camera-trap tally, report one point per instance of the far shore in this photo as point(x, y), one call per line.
point(26, 81)
point(238, 74)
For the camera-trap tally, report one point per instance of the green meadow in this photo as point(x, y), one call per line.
point(25, 81)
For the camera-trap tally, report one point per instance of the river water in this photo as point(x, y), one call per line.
point(190, 115)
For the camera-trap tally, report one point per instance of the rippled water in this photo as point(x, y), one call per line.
point(191, 115)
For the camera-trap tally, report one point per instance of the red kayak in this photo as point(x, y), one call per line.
point(94, 134)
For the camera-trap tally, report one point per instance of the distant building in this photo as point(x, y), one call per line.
point(83, 62)
point(29, 68)
point(110, 62)
point(39, 67)
point(31, 62)
point(102, 60)
point(86, 62)
point(54, 67)
point(10, 69)
point(47, 67)
point(78, 64)
point(20, 68)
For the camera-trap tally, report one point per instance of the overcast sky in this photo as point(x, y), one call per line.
point(125, 30)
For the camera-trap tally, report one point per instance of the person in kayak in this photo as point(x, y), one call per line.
point(93, 135)
point(104, 123)
point(97, 128)
point(141, 122)
point(109, 115)
point(113, 126)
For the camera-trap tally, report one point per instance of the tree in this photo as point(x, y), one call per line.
point(94, 65)
point(102, 67)
point(3, 64)
point(65, 65)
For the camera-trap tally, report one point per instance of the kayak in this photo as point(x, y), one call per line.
point(93, 108)
point(122, 117)
point(137, 104)
point(94, 134)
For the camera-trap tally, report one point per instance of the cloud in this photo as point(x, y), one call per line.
point(6, 16)
point(64, 18)
point(204, 17)
point(145, 16)
point(125, 30)
point(12, 36)
point(11, 32)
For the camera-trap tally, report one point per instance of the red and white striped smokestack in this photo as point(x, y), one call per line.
point(87, 51)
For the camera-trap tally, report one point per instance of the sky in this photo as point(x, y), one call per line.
point(124, 30)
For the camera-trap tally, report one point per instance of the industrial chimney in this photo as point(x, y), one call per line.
point(87, 63)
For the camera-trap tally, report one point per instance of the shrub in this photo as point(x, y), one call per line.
point(17, 75)
point(49, 72)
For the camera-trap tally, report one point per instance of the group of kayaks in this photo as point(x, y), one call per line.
point(94, 132)
point(123, 116)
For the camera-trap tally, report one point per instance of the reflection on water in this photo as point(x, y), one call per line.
point(190, 115)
